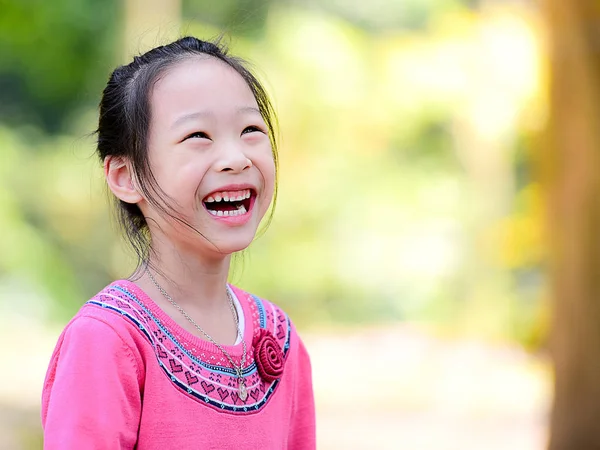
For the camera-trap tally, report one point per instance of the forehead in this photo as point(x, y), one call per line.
point(200, 83)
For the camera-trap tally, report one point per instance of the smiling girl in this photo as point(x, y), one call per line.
point(174, 357)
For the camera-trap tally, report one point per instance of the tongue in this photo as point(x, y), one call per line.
point(222, 206)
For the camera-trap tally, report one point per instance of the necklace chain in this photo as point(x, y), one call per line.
point(238, 369)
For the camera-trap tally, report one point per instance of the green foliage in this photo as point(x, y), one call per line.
point(378, 216)
point(239, 17)
point(54, 221)
point(383, 15)
point(54, 56)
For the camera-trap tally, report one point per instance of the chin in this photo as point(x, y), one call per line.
point(229, 245)
point(232, 248)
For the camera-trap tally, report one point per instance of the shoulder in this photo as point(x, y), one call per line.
point(98, 331)
point(90, 337)
point(99, 323)
point(102, 323)
point(123, 306)
point(92, 340)
point(94, 353)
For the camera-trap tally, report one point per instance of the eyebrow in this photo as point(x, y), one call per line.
point(198, 114)
point(248, 109)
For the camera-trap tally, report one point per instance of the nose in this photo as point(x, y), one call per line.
point(232, 159)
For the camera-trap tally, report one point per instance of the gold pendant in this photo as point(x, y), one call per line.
point(242, 391)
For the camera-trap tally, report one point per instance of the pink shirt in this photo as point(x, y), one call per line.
point(124, 375)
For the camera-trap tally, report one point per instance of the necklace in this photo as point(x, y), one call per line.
point(242, 391)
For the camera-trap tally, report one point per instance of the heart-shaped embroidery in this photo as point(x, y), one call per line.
point(175, 367)
point(222, 393)
point(191, 379)
point(254, 393)
point(208, 388)
point(280, 332)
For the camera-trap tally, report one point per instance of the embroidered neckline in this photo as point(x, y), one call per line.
point(199, 371)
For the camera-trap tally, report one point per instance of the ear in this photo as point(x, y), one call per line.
point(121, 179)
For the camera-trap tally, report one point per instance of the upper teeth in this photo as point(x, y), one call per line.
point(233, 196)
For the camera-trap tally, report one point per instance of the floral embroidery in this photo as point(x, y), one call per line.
point(268, 356)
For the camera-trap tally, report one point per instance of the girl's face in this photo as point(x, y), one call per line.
point(210, 153)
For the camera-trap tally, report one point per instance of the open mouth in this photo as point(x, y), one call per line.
point(229, 203)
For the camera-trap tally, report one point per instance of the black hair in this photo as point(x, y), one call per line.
point(124, 122)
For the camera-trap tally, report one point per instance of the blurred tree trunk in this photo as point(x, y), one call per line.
point(570, 168)
point(149, 23)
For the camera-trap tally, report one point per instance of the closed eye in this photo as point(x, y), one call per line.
point(253, 129)
point(197, 135)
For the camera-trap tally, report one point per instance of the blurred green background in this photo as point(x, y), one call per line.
point(408, 228)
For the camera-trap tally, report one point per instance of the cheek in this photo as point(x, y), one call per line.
point(180, 177)
point(267, 170)
point(192, 172)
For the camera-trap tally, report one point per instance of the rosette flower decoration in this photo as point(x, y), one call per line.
point(268, 356)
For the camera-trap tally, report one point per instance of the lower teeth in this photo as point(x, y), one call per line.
point(236, 212)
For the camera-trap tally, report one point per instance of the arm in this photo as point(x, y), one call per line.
point(302, 430)
point(92, 393)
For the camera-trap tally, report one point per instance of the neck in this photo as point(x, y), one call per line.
point(189, 278)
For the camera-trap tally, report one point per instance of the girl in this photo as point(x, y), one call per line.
point(175, 358)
